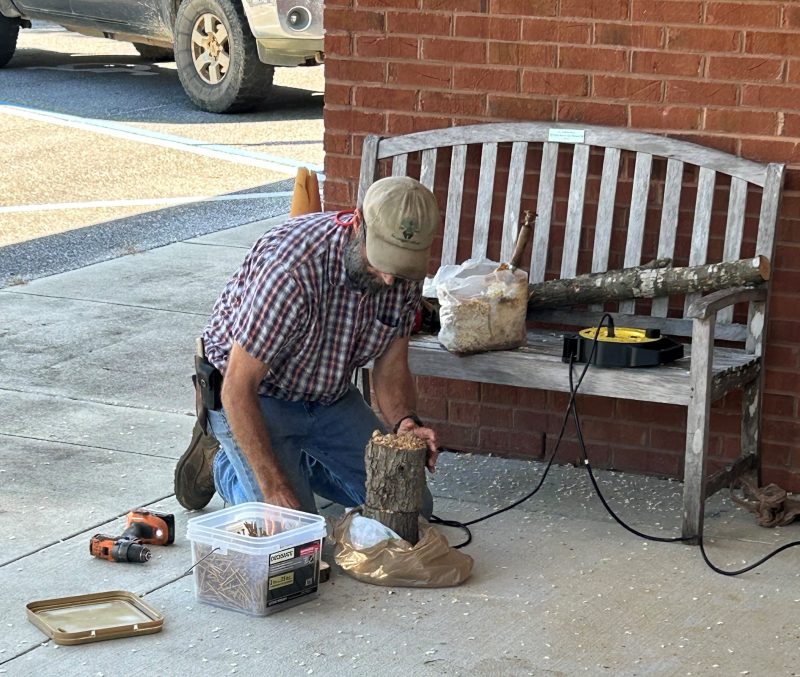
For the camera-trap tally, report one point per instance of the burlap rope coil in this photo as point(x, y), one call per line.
point(770, 504)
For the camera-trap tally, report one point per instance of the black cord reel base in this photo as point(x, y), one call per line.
point(620, 347)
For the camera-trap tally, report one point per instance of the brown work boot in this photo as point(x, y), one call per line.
point(194, 479)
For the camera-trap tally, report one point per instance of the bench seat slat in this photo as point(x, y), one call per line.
point(539, 365)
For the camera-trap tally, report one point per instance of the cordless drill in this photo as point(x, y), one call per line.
point(144, 527)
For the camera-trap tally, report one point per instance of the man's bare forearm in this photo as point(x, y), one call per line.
point(250, 432)
point(395, 393)
point(397, 396)
point(243, 411)
point(394, 385)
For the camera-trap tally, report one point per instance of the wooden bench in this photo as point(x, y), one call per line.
point(606, 198)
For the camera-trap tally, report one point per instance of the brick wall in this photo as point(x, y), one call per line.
point(724, 74)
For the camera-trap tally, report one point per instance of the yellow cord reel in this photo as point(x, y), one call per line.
point(622, 334)
point(621, 347)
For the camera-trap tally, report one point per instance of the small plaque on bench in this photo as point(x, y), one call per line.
point(566, 135)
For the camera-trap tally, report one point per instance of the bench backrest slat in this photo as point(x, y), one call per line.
point(516, 177)
point(480, 239)
point(669, 224)
point(605, 210)
point(577, 192)
point(544, 211)
point(633, 245)
point(734, 230)
point(770, 204)
point(428, 172)
point(702, 224)
point(400, 165)
point(647, 183)
point(455, 193)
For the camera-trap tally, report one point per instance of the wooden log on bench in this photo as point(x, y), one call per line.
point(647, 282)
point(395, 482)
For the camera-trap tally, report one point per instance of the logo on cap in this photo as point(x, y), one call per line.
point(407, 229)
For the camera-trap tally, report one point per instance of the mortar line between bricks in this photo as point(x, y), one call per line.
point(91, 400)
point(82, 531)
point(84, 446)
point(101, 302)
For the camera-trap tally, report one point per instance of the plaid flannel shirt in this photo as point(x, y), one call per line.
point(290, 305)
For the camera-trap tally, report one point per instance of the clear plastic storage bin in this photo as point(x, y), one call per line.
point(256, 574)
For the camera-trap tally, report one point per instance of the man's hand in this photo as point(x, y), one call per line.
point(407, 425)
point(281, 495)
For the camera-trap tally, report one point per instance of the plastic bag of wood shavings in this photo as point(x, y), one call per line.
point(393, 562)
point(481, 308)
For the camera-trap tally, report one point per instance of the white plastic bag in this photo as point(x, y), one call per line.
point(366, 532)
point(481, 307)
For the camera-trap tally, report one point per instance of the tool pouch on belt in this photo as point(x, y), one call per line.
point(208, 388)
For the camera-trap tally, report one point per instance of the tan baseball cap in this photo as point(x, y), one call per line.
point(401, 217)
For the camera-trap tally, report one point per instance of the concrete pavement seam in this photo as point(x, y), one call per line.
point(84, 531)
point(102, 302)
point(185, 412)
point(85, 446)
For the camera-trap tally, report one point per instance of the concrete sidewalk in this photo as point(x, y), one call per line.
point(96, 408)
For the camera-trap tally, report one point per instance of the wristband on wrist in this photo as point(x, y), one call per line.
point(413, 417)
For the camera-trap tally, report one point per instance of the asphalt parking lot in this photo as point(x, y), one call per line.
point(109, 157)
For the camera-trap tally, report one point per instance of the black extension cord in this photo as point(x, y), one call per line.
point(572, 409)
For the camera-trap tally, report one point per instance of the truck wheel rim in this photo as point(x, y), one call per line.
point(210, 52)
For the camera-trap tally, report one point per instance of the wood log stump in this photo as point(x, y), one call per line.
point(647, 281)
point(395, 482)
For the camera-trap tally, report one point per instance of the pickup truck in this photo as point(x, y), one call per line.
point(225, 51)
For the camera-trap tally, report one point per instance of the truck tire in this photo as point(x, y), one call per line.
point(154, 54)
point(217, 58)
point(9, 30)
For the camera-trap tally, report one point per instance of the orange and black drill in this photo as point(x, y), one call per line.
point(144, 527)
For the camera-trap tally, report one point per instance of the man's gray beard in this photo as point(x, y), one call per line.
point(357, 273)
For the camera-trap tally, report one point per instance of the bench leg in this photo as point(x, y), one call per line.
point(697, 430)
point(751, 420)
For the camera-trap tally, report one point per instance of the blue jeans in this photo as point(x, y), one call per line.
point(320, 448)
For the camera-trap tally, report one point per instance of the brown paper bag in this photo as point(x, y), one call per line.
point(431, 563)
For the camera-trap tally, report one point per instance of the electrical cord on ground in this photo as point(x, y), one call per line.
point(582, 445)
point(572, 409)
point(464, 526)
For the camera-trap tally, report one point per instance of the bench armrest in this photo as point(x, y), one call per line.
point(707, 306)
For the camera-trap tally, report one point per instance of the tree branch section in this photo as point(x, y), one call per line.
point(647, 281)
point(395, 482)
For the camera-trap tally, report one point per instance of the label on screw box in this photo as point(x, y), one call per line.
point(293, 572)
